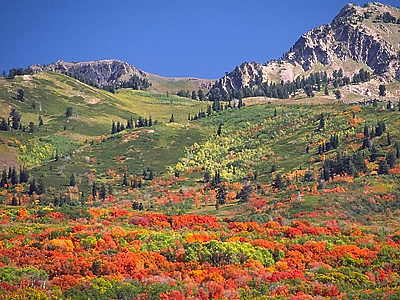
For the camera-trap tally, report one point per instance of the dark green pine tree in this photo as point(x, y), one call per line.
point(3, 180)
point(207, 176)
point(278, 182)
point(113, 128)
point(221, 194)
point(326, 170)
point(14, 176)
point(94, 190)
point(40, 121)
point(110, 190)
point(326, 91)
point(40, 188)
point(72, 180)
point(151, 175)
point(172, 119)
point(102, 192)
point(366, 131)
point(124, 180)
point(150, 121)
point(391, 159)
point(389, 139)
point(397, 151)
point(321, 121)
point(23, 175)
point(383, 168)
point(245, 192)
point(32, 187)
point(219, 129)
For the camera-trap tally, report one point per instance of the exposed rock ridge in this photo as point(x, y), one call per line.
point(101, 72)
point(353, 35)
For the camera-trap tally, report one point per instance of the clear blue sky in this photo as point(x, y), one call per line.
point(170, 38)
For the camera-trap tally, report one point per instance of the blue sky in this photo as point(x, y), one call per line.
point(170, 38)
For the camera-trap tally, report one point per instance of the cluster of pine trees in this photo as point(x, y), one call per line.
point(283, 90)
point(12, 177)
point(130, 124)
point(199, 95)
point(135, 82)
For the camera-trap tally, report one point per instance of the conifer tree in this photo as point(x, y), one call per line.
point(3, 180)
point(391, 159)
point(172, 119)
point(383, 168)
point(32, 187)
point(102, 192)
point(72, 180)
point(94, 190)
point(14, 176)
point(23, 175)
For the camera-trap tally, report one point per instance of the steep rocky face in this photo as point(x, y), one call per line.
point(357, 34)
point(101, 72)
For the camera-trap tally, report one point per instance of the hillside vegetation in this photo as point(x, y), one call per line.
point(277, 199)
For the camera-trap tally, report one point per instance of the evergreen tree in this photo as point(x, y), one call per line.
point(321, 121)
point(172, 119)
point(72, 180)
point(366, 131)
point(391, 159)
point(110, 190)
point(102, 192)
point(383, 168)
point(14, 176)
point(389, 139)
point(194, 95)
point(151, 175)
point(219, 129)
point(40, 121)
point(124, 180)
point(150, 121)
point(68, 112)
point(113, 128)
point(245, 192)
point(3, 125)
point(200, 95)
point(338, 95)
point(40, 188)
point(94, 190)
point(32, 187)
point(397, 151)
point(326, 170)
point(3, 180)
point(221, 194)
point(15, 118)
point(23, 175)
point(20, 95)
point(326, 91)
point(278, 182)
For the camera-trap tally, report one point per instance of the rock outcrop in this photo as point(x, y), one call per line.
point(357, 34)
point(101, 72)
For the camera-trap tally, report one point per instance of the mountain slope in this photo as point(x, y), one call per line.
point(358, 37)
point(110, 71)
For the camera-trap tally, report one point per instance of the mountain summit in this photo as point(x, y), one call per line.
point(358, 37)
point(100, 72)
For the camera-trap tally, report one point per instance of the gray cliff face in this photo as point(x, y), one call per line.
point(353, 35)
point(101, 72)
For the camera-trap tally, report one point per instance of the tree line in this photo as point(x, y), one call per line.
point(283, 90)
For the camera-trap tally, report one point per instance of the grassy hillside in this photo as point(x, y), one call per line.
point(246, 203)
point(93, 110)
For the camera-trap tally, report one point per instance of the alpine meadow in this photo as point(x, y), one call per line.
point(279, 180)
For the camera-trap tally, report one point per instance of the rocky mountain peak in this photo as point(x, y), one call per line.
point(357, 37)
point(101, 72)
